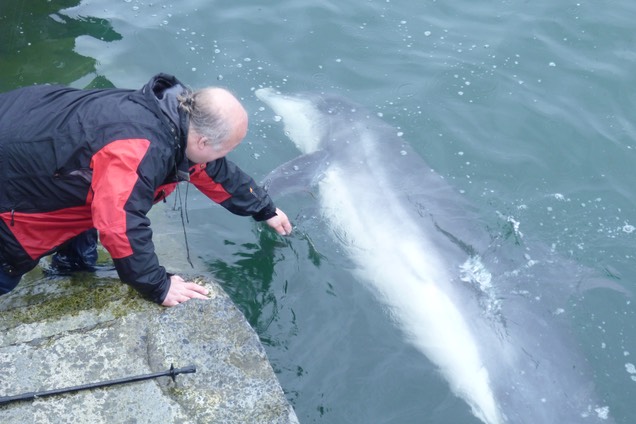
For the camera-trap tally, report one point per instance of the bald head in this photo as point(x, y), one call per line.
point(217, 119)
point(220, 102)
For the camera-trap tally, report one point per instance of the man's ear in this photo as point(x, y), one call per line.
point(201, 142)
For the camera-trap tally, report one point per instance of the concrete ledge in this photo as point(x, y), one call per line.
point(60, 332)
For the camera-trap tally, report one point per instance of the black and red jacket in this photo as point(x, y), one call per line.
point(74, 159)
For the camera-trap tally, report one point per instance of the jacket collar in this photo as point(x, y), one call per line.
point(161, 96)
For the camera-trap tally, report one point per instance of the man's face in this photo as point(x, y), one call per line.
point(200, 150)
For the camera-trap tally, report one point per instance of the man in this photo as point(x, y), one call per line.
point(77, 163)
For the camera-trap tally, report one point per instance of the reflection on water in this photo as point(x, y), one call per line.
point(38, 42)
point(248, 279)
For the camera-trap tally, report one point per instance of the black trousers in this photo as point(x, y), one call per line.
point(78, 254)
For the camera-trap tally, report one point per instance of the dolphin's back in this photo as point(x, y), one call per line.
point(484, 308)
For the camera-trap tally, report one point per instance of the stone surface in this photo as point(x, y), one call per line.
point(57, 332)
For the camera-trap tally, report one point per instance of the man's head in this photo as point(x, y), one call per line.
point(218, 123)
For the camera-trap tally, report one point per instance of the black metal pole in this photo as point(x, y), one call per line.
point(172, 372)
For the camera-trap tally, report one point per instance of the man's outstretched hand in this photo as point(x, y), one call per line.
point(180, 291)
point(280, 223)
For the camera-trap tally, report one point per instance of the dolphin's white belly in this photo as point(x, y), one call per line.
point(393, 253)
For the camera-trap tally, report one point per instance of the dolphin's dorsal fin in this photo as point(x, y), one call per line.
point(299, 174)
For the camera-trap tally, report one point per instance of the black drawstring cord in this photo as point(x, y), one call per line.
point(174, 207)
point(186, 204)
point(185, 234)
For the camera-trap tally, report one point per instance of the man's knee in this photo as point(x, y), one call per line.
point(9, 278)
point(79, 254)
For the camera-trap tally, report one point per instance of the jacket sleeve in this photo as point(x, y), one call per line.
point(226, 184)
point(123, 190)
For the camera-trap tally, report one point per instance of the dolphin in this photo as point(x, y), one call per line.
point(489, 311)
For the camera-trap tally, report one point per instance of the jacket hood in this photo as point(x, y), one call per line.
point(160, 95)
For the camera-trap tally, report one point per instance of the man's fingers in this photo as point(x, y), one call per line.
point(181, 291)
point(287, 227)
point(189, 291)
point(199, 289)
point(280, 223)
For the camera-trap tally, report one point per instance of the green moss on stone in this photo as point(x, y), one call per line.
point(86, 294)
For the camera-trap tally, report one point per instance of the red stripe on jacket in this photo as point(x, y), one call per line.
point(114, 177)
point(207, 185)
point(39, 233)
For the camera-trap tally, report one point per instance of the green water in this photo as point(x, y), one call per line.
point(525, 107)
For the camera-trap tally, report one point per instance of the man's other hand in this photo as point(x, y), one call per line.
point(180, 291)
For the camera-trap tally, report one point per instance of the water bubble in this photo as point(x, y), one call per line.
point(602, 412)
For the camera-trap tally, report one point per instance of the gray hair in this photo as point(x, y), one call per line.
point(205, 117)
